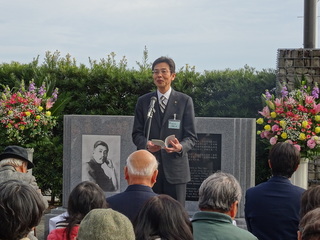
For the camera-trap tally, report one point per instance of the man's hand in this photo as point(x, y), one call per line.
point(176, 146)
point(152, 148)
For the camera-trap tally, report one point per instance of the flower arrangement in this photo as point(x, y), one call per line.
point(294, 117)
point(25, 116)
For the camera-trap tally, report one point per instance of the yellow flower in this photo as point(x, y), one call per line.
point(9, 125)
point(10, 112)
point(259, 120)
point(22, 127)
point(283, 123)
point(48, 113)
point(305, 124)
point(38, 117)
point(40, 108)
point(267, 127)
point(302, 136)
point(27, 113)
point(284, 135)
point(258, 132)
point(273, 114)
point(317, 118)
point(317, 129)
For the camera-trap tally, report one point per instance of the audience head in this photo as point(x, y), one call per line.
point(141, 168)
point(284, 159)
point(17, 157)
point(83, 198)
point(166, 60)
point(220, 192)
point(105, 224)
point(163, 217)
point(310, 200)
point(21, 209)
point(309, 226)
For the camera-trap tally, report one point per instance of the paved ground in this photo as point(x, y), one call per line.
point(40, 230)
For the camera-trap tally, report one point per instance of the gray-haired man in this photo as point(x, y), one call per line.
point(219, 196)
point(14, 165)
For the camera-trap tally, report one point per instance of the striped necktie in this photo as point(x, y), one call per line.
point(162, 103)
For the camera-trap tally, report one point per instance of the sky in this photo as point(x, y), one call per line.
point(207, 34)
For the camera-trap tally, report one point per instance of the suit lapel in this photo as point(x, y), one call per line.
point(156, 115)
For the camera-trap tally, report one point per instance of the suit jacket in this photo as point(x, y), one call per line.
point(8, 172)
point(175, 165)
point(272, 209)
point(131, 200)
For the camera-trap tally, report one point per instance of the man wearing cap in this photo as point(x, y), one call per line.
point(14, 164)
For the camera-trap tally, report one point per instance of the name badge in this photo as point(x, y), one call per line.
point(174, 124)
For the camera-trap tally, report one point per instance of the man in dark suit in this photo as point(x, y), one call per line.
point(141, 172)
point(272, 208)
point(173, 115)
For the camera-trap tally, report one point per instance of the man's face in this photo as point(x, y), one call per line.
point(100, 153)
point(162, 77)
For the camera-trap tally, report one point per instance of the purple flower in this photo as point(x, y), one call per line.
point(55, 94)
point(42, 90)
point(32, 87)
point(268, 95)
point(315, 92)
point(284, 91)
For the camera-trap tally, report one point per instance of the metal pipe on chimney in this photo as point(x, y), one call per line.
point(310, 23)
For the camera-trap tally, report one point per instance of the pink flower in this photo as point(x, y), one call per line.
point(265, 112)
point(309, 100)
point(278, 102)
point(49, 104)
point(289, 141)
point(37, 101)
point(273, 140)
point(297, 147)
point(265, 134)
point(290, 101)
point(316, 108)
point(311, 143)
point(275, 128)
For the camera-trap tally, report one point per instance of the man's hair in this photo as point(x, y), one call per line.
point(284, 159)
point(21, 209)
point(12, 161)
point(309, 225)
point(146, 171)
point(310, 200)
point(219, 191)
point(167, 60)
point(102, 143)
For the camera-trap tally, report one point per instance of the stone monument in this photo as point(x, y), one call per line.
point(226, 144)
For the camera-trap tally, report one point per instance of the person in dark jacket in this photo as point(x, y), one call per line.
point(272, 208)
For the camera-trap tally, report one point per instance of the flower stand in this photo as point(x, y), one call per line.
point(300, 177)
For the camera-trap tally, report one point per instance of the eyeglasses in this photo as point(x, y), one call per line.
point(162, 71)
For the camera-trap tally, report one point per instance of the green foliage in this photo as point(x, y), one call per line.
point(108, 87)
point(231, 93)
point(48, 167)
